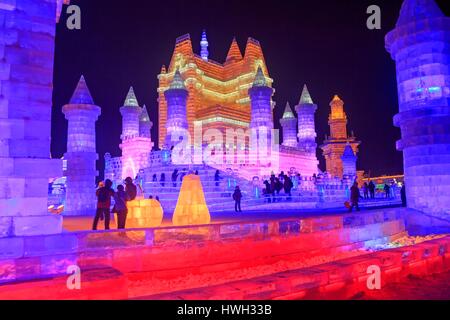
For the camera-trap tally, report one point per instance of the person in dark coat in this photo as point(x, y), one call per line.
point(403, 195)
point(237, 197)
point(174, 178)
point(130, 189)
point(288, 186)
point(104, 195)
point(120, 206)
point(366, 190)
point(354, 197)
point(372, 189)
point(267, 191)
point(217, 178)
point(162, 179)
point(387, 190)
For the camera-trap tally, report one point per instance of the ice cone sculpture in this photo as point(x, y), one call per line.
point(191, 207)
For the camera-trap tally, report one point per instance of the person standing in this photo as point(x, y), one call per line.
point(372, 189)
point(162, 179)
point(403, 195)
point(366, 190)
point(217, 178)
point(104, 195)
point(387, 191)
point(120, 206)
point(237, 197)
point(174, 178)
point(288, 187)
point(354, 197)
point(130, 189)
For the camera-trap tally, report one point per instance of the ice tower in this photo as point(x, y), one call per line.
point(177, 124)
point(27, 51)
point(81, 155)
point(136, 142)
point(306, 122)
point(334, 145)
point(261, 117)
point(289, 125)
point(420, 46)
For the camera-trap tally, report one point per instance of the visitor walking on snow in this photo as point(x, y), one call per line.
point(104, 195)
point(237, 196)
point(354, 197)
point(120, 206)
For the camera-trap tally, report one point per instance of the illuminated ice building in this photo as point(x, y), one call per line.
point(201, 99)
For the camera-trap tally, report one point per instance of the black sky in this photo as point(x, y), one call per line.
point(323, 43)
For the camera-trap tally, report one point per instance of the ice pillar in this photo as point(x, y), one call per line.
point(27, 51)
point(306, 122)
point(81, 155)
point(420, 47)
point(177, 124)
point(289, 125)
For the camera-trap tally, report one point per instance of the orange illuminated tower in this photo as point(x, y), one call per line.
point(217, 92)
point(334, 145)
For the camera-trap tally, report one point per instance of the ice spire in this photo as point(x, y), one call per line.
point(81, 94)
point(306, 97)
point(204, 53)
point(144, 117)
point(234, 54)
point(260, 79)
point(177, 82)
point(288, 114)
point(131, 100)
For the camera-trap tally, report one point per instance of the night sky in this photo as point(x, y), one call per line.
point(324, 44)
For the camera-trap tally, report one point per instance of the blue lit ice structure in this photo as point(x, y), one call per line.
point(81, 155)
point(420, 46)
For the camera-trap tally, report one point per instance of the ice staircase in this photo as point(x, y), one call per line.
point(218, 194)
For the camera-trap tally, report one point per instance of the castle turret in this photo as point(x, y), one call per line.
point(261, 116)
point(289, 125)
point(136, 142)
point(420, 46)
point(234, 53)
point(204, 53)
point(130, 116)
point(177, 124)
point(145, 125)
point(81, 155)
point(349, 161)
point(334, 145)
point(306, 122)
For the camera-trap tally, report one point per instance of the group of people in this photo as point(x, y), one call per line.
point(105, 193)
point(274, 185)
point(355, 195)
